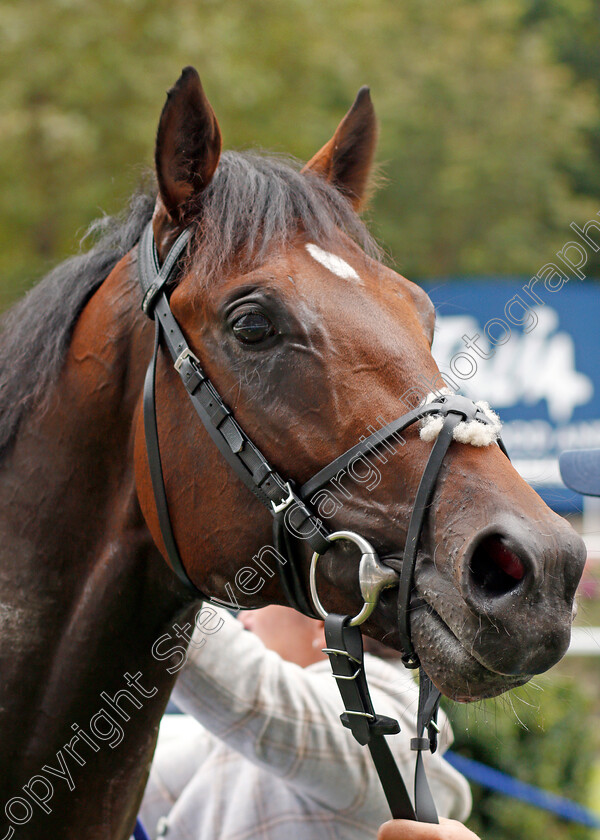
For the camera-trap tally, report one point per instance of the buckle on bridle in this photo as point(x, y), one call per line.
point(185, 354)
point(286, 502)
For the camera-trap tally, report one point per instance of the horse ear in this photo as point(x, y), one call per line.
point(347, 158)
point(188, 145)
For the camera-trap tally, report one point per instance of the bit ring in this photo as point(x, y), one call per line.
point(373, 576)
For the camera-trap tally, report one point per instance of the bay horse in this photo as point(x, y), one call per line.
point(313, 342)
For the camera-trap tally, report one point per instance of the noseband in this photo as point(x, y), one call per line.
point(295, 522)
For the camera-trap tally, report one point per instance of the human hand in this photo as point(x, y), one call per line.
point(410, 830)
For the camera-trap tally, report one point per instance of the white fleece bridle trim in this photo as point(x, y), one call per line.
point(471, 431)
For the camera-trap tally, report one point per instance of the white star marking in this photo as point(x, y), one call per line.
point(335, 264)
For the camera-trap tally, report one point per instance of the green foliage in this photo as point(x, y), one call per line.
point(571, 28)
point(542, 738)
point(484, 131)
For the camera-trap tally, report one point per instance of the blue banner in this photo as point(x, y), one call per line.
point(533, 352)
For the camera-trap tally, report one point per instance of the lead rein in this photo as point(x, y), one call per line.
point(345, 651)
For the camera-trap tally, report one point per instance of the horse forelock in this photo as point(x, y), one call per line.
point(257, 204)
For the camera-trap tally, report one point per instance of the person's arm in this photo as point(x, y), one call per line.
point(285, 718)
point(406, 830)
point(275, 713)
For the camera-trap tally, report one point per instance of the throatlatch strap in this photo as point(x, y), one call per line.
point(156, 473)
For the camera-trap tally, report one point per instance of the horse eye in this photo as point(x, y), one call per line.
point(252, 327)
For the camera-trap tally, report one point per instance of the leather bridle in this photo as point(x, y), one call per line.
point(294, 521)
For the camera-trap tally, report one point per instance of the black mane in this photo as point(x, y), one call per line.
point(254, 203)
point(37, 331)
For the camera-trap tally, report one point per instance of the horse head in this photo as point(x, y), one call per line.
point(314, 343)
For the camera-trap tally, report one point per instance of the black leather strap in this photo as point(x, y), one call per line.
point(429, 703)
point(153, 277)
point(415, 527)
point(367, 445)
point(454, 403)
point(156, 473)
point(246, 460)
point(394, 787)
point(345, 651)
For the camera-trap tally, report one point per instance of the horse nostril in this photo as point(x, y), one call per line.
point(494, 568)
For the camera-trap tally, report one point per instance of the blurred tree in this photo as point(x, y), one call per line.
point(480, 126)
point(572, 30)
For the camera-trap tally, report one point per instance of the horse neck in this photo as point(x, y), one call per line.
point(85, 593)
